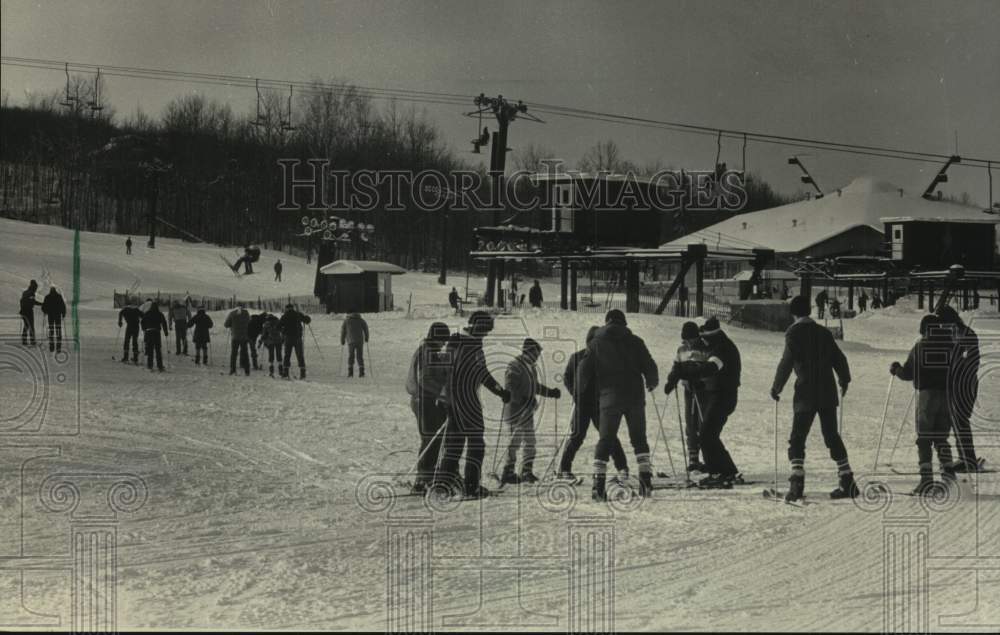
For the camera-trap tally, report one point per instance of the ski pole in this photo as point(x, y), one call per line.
point(424, 451)
point(885, 411)
point(776, 448)
point(340, 364)
point(666, 442)
point(680, 424)
point(902, 424)
point(496, 453)
point(371, 367)
point(315, 341)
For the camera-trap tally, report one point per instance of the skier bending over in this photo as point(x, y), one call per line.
point(521, 381)
point(253, 335)
point(202, 324)
point(619, 364)
point(692, 349)
point(290, 324)
point(466, 429)
point(424, 382)
point(814, 355)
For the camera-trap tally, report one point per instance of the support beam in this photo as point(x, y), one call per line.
point(632, 286)
point(920, 294)
point(563, 283)
point(491, 274)
point(501, 274)
point(572, 286)
point(699, 287)
point(850, 295)
point(685, 265)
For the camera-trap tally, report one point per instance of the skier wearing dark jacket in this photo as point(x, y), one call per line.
point(424, 383)
point(202, 324)
point(253, 334)
point(238, 323)
point(27, 312)
point(585, 413)
point(54, 308)
point(963, 386)
point(290, 324)
point(721, 378)
point(620, 365)
point(180, 315)
point(812, 353)
point(270, 336)
point(466, 429)
point(692, 349)
point(927, 366)
point(132, 317)
point(152, 323)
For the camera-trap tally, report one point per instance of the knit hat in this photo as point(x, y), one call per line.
point(530, 344)
point(480, 321)
point(591, 332)
point(928, 322)
point(800, 306)
point(438, 332)
point(711, 326)
point(615, 315)
point(949, 315)
point(689, 331)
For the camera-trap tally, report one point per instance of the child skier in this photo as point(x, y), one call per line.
point(354, 333)
point(927, 367)
point(692, 349)
point(424, 382)
point(270, 337)
point(202, 324)
point(519, 413)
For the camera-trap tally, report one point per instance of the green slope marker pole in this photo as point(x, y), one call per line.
point(76, 290)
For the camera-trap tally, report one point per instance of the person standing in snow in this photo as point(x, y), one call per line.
point(354, 333)
point(521, 381)
point(813, 354)
point(270, 336)
point(585, 413)
point(535, 295)
point(128, 246)
point(424, 383)
point(238, 323)
point(963, 385)
point(152, 323)
point(453, 301)
point(862, 302)
point(27, 312)
point(253, 335)
point(465, 431)
point(620, 366)
point(132, 316)
point(277, 270)
point(202, 324)
point(54, 308)
point(180, 315)
point(821, 300)
point(290, 325)
point(692, 348)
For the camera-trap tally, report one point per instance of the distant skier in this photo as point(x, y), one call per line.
point(180, 315)
point(238, 323)
point(454, 301)
point(152, 323)
point(202, 324)
point(535, 295)
point(619, 364)
point(862, 302)
point(821, 300)
point(521, 381)
point(721, 377)
point(813, 354)
point(270, 337)
point(692, 348)
point(132, 317)
point(291, 324)
point(27, 312)
point(424, 383)
point(54, 308)
point(963, 385)
point(586, 411)
point(929, 374)
point(128, 246)
point(277, 270)
point(354, 333)
point(251, 254)
point(876, 302)
point(254, 330)
point(466, 428)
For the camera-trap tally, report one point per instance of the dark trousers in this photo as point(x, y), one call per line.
point(609, 420)
point(715, 410)
point(963, 402)
point(253, 351)
point(581, 419)
point(180, 335)
point(692, 424)
point(241, 347)
point(277, 276)
point(201, 352)
point(430, 418)
point(154, 347)
point(820, 309)
point(55, 335)
point(131, 335)
point(274, 354)
point(933, 423)
point(356, 350)
point(28, 329)
point(465, 434)
point(294, 345)
point(802, 422)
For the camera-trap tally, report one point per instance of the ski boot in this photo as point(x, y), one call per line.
point(566, 476)
point(361, 372)
point(125, 360)
point(846, 489)
point(476, 491)
point(508, 476)
point(302, 373)
point(598, 493)
point(927, 487)
point(350, 371)
point(948, 477)
point(622, 475)
point(528, 477)
point(418, 487)
point(645, 484)
point(232, 372)
point(796, 488)
point(716, 481)
point(270, 370)
point(696, 466)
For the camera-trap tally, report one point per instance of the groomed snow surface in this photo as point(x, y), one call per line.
point(252, 519)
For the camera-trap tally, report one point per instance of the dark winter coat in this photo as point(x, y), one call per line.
point(467, 373)
point(255, 327)
point(620, 366)
point(54, 307)
point(453, 299)
point(579, 389)
point(928, 363)
point(202, 324)
point(180, 315)
point(721, 349)
point(535, 296)
point(153, 320)
point(812, 353)
point(28, 302)
point(131, 316)
point(354, 330)
point(821, 299)
point(291, 323)
point(428, 372)
point(270, 334)
point(238, 321)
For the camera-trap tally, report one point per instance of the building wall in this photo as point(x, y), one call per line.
point(857, 241)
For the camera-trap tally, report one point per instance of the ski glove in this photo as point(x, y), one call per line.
point(555, 393)
point(670, 385)
point(895, 368)
point(504, 395)
point(775, 395)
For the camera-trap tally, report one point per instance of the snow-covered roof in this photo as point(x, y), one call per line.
point(797, 226)
point(354, 267)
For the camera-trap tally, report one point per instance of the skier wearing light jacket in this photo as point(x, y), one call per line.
point(354, 333)
point(521, 381)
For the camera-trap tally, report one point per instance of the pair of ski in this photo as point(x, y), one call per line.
point(774, 495)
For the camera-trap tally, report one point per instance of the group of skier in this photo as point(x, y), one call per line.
point(54, 309)
point(609, 378)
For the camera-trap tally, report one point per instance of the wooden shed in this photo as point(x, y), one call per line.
point(364, 286)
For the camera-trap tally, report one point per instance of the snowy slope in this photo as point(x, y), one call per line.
point(252, 520)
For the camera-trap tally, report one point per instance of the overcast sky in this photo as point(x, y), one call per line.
point(906, 74)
